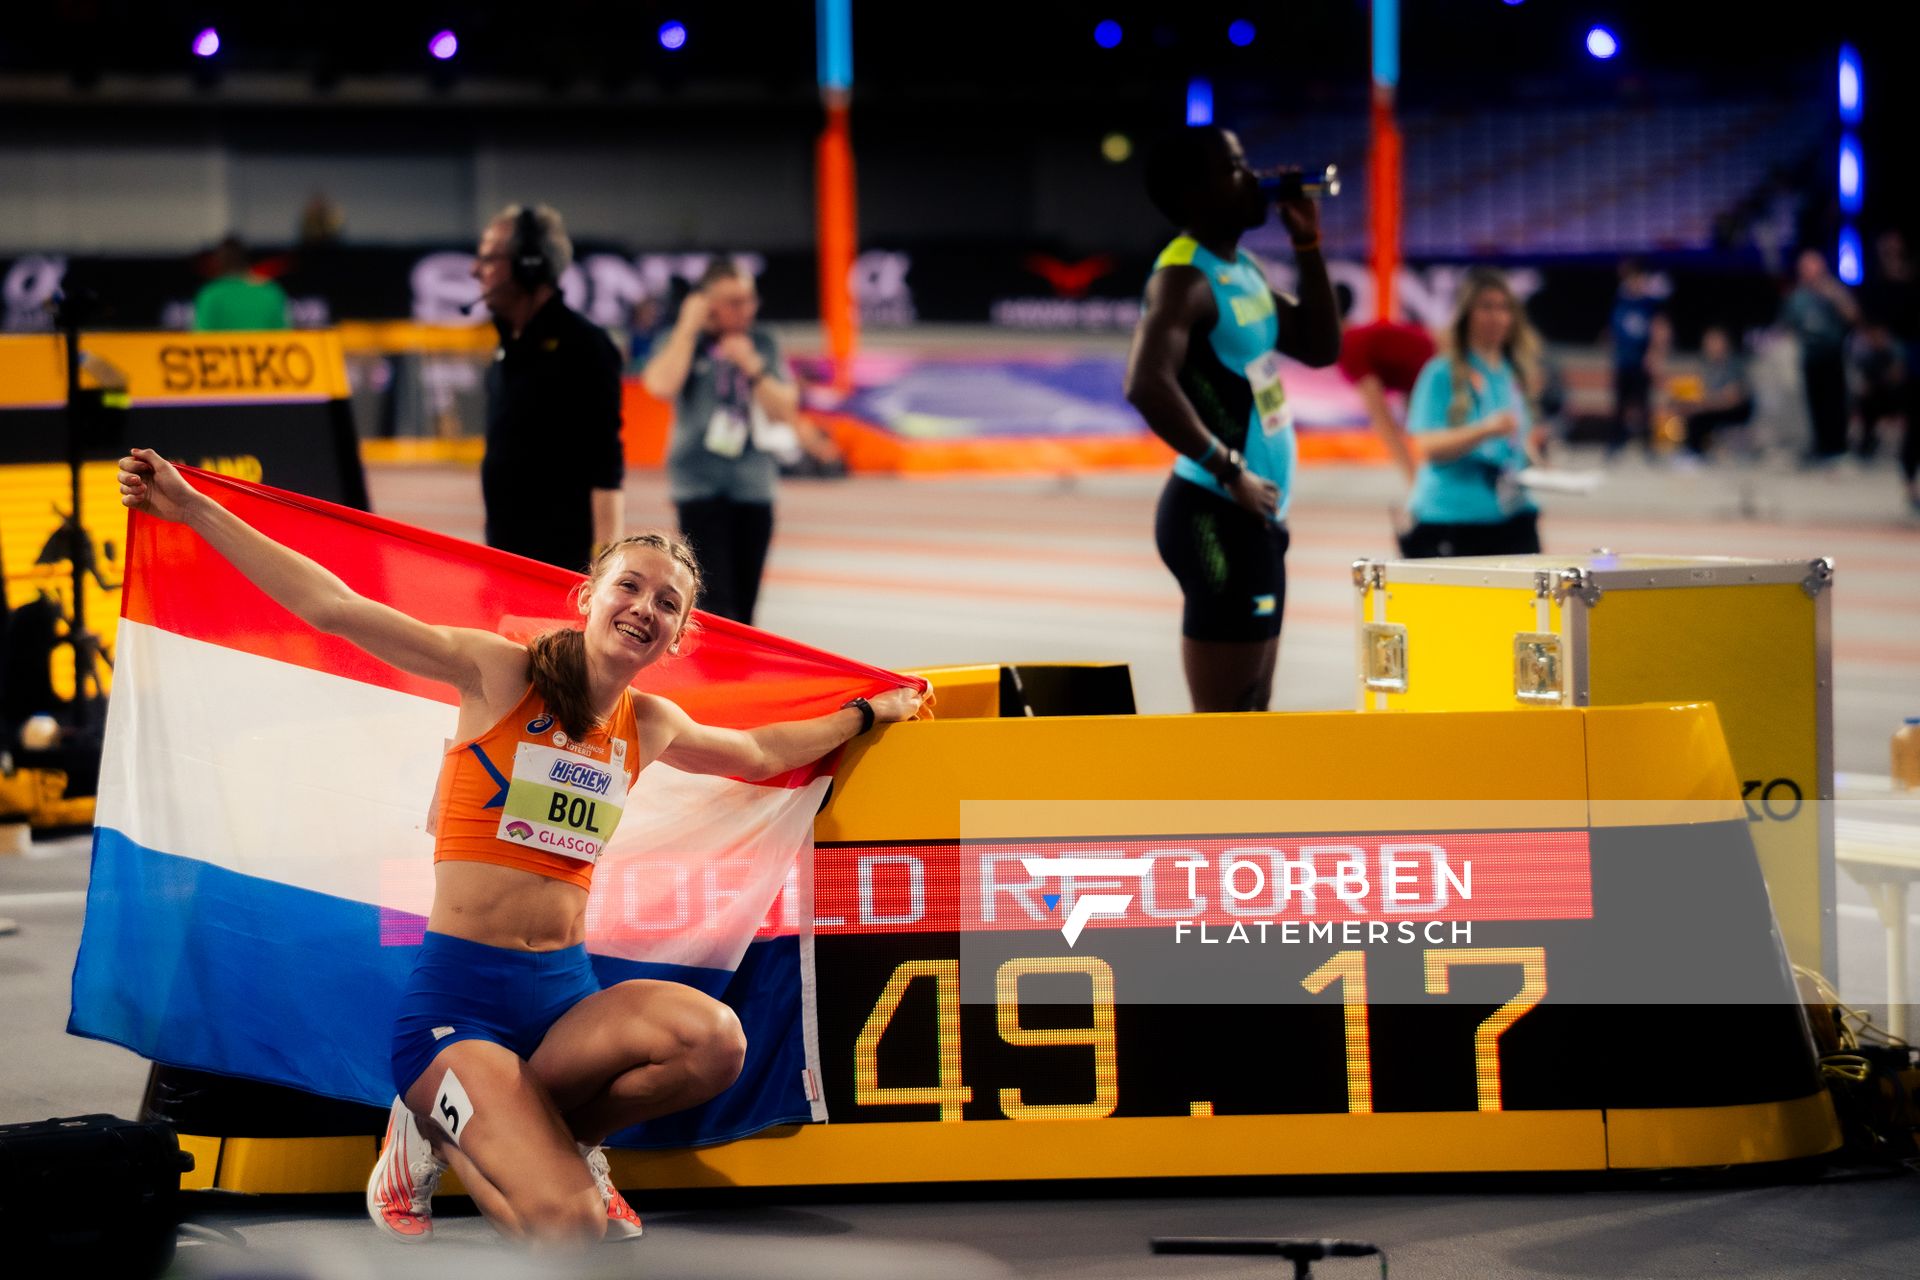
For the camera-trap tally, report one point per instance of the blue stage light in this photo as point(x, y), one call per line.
point(673, 35)
point(206, 44)
point(1849, 256)
point(1107, 34)
point(1602, 43)
point(1852, 179)
point(1240, 32)
point(444, 45)
point(1849, 85)
point(1199, 102)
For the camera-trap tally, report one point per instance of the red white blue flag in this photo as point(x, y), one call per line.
point(262, 867)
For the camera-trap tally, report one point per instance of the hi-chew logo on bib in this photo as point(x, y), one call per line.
point(560, 802)
point(577, 773)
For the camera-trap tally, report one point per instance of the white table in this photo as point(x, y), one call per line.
point(1876, 838)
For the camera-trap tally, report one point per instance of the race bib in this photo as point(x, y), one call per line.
point(1269, 397)
point(564, 803)
point(726, 433)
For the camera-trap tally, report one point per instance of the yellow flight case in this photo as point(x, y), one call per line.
point(1752, 636)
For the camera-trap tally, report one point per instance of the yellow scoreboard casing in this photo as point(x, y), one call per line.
point(1356, 1061)
point(1754, 637)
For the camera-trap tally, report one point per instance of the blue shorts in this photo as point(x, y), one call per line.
point(463, 990)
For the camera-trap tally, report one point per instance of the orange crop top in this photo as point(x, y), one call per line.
point(526, 795)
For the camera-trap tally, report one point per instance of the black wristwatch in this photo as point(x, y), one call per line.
point(1228, 464)
point(865, 709)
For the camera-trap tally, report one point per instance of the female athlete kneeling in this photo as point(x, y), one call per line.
point(505, 1041)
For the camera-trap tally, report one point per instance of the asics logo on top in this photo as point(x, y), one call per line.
point(540, 725)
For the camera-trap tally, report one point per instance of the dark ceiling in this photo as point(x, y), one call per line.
point(1037, 51)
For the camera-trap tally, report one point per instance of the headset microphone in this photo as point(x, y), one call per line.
point(529, 264)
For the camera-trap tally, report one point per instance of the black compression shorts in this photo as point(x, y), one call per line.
point(1231, 564)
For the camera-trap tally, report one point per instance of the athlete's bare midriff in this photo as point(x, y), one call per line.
point(505, 907)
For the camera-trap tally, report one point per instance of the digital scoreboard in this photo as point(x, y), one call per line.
point(1493, 941)
point(948, 991)
point(1259, 945)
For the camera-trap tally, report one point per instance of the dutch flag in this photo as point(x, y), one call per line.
point(262, 867)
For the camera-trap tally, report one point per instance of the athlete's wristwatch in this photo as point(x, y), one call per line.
point(865, 709)
point(1227, 464)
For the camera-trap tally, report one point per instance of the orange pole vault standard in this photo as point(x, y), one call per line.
point(835, 223)
point(1383, 160)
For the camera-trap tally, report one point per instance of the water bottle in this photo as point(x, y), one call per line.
point(1286, 184)
point(1906, 755)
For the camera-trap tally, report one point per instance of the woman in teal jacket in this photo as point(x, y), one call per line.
point(1474, 432)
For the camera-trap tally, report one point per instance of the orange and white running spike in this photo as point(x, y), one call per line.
point(400, 1188)
point(622, 1222)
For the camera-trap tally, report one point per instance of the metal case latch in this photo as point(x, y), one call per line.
point(1384, 654)
point(1819, 577)
point(1537, 669)
point(1577, 582)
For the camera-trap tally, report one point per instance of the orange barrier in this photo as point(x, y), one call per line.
point(870, 449)
point(396, 337)
point(1358, 445)
point(645, 422)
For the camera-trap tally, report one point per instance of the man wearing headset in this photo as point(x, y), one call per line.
point(554, 465)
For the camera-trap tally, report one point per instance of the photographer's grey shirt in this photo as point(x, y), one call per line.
point(716, 387)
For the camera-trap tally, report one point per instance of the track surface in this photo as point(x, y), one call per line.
point(907, 573)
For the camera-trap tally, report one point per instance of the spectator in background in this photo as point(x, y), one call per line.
point(1550, 402)
point(1881, 368)
point(1470, 418)
point(1819, 312)
point(1384, 357)
point(1659, 389)
point(320, 222)
point(554, 464)
point(1726, 397)
point(1891, 301)
point(1891, 296)
point(728, 385)
point(317, 263)
point(645, 323)
point(236, 298)
point(1639, 299)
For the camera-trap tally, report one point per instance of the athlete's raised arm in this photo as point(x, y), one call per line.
point(455, 655)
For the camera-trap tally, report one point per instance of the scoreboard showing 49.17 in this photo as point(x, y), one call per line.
point(1358, 973)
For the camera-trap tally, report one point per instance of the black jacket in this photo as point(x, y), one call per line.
point(553, 436)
